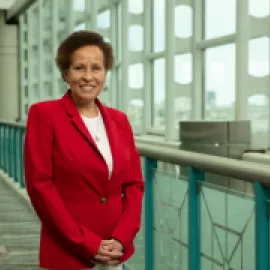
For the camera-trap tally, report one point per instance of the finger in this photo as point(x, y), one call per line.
point(96, 262)
point(102, 258)
point(107, 242)
point(104, 252)
point(108, 248)
point(115, 254)
point(112, 262)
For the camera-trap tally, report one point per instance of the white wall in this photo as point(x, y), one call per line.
point(9, 70)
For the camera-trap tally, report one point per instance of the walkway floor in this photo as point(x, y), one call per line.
point(19, 233)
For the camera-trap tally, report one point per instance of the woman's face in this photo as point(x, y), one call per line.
point(86, 74)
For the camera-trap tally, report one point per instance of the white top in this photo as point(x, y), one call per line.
point(97, 130)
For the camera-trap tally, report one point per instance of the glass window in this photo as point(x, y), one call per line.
point(135, 6)
point(220, 83)
point(258, 64)
point(159, 93)
point(219, 18)
point(79, 5)
point(183, 68)
point(258, 113)
point(135, 114)
point(103, 19)
point(135, 76)
point(259, 8)
point(135, 39)
point(183, 21)
point(159, 25)
point(81, 26)
point(182, 75)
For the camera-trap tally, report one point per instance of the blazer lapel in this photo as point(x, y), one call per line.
point(112, 133)
point(77, 120)
point(111, 129)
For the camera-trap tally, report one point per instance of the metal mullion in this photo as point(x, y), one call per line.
point(210, 43)
point(197, 96)
point(169, 72)
point(55, 25)
point(124, 56)
point(148, 71)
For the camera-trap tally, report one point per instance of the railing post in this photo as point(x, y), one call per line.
point(150, 165)
point(6, 149)
point(15, 154)
point(194, 218)
point(261, 227)
point(1, 146)
point(21, 144)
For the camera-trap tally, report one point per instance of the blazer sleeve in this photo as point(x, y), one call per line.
point(43, 193)
point(130, 221)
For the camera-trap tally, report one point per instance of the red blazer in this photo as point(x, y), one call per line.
point(67, 182)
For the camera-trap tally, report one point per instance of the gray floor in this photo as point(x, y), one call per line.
point(19, 233)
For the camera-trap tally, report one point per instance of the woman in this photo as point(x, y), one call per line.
point(82, 170)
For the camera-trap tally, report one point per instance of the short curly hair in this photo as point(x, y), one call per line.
point(80, 39)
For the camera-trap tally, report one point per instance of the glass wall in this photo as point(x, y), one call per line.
point(175, 60)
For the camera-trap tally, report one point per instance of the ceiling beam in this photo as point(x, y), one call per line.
point(16, 9)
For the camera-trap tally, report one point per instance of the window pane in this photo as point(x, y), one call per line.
point(220, 83)
point(79, 5)
point(135, 6)
point(183, 68)
point(259, 8)
point(135, 76)
point(183, 76)
point(258, 64)
point(219, 18)
point(183, 21)
point(159, 93)
point(103, 19)
point(135, 114)
point(258, 113)
point(79, 27)
point(135, 39)
point(159, 25)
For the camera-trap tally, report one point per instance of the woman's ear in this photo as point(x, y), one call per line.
point(65, 75)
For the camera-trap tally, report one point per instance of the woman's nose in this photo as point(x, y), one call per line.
point(88, 75)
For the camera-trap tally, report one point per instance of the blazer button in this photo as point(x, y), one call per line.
point(103, 200)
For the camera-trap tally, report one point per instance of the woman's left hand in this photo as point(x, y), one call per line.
point(111, 246)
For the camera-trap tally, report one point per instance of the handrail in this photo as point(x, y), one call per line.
point(11, 161)
point(257, 157)
point(244, 170)
point(13, 124)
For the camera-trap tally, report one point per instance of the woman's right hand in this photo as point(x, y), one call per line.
point(105, 256)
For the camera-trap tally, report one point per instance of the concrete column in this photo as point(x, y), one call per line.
point(9, 70)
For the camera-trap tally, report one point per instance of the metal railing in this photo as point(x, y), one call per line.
point(11, 161)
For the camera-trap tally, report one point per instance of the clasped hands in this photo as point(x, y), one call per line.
point(109, 252)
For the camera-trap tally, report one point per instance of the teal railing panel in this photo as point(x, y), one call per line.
point(11, 151)
point(138, 260)
point(170, 222)
point(262, 226)
point(227, 229)
point(187, 224)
